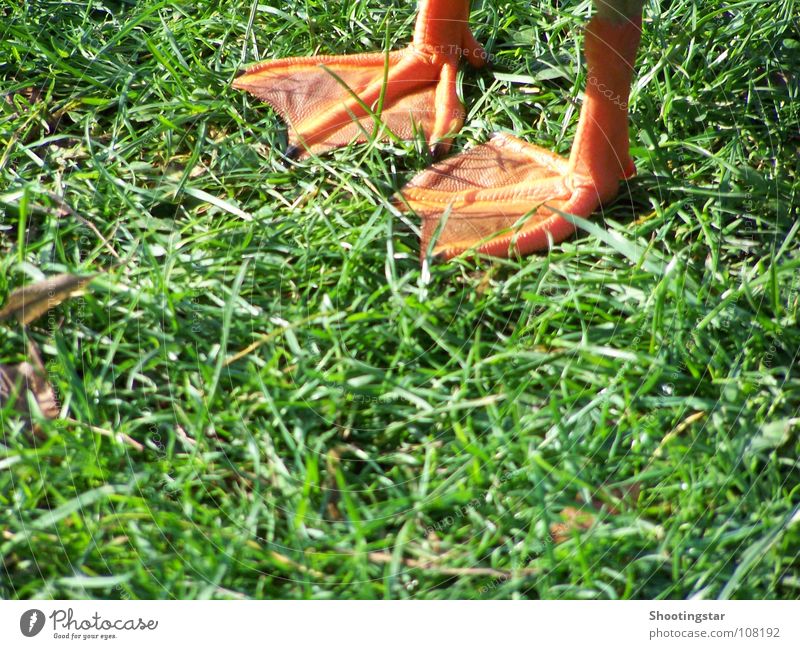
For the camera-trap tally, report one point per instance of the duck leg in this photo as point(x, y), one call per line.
point(331, 101)
point(506, 197)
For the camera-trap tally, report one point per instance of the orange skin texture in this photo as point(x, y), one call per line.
point(332, 101)
point(504, 198)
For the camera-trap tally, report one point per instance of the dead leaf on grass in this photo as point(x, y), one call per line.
point(17, 380)
point(575, 520)
point(34, 300)
point(580, 519)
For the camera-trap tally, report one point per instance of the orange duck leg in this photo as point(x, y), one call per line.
point(507, 197)
point(331, 101)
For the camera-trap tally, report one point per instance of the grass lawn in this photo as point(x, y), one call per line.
point(264, 395)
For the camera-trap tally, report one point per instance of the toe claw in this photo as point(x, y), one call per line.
point(440, 150)
point(293, 152)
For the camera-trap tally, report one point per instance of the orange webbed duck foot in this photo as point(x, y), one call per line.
point(508, 197)
point(332, 101)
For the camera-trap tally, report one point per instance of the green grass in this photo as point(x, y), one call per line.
point(395, 432)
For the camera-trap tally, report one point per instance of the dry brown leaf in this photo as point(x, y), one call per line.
point(34, 300)
point(31, 94)
point(16, 380)
point(575, 520)
point(581, 519)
